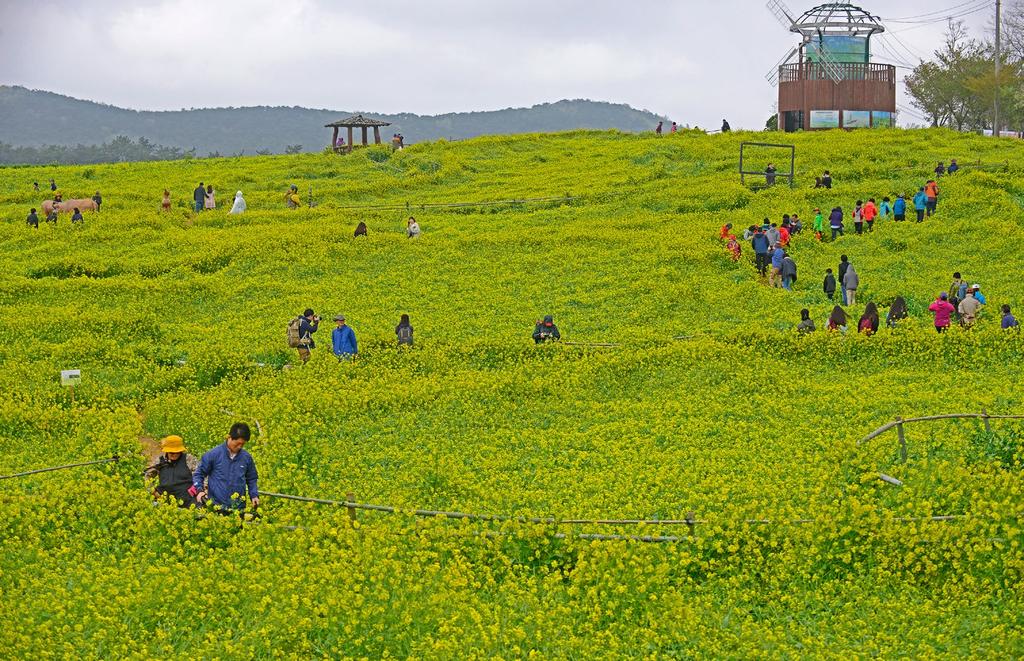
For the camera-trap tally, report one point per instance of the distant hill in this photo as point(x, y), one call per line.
point(33, 118)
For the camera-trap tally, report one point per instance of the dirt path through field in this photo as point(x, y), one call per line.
point(149, 445)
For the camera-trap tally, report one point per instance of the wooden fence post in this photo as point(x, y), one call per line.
point(903, 439)
point(984, 418)
point(350, 498)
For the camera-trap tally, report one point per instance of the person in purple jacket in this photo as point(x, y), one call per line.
point(1009, 321)
point(835, 222)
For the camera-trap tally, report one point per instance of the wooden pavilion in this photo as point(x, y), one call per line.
point(355, 121)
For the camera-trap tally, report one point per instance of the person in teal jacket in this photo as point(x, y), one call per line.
point(920, 204)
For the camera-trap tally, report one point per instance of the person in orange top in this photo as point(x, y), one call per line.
point(726, 230)
point(870, 211)
point(784, 233)
point(931, 190)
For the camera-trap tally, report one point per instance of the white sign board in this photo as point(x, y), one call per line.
point(70, 377)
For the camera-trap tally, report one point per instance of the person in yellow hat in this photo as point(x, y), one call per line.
point(173, 471)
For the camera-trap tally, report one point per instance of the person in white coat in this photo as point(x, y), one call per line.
point(239, 205)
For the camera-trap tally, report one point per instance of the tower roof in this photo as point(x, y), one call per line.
point(837, 18)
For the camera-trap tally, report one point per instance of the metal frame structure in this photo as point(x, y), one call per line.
point(760, 173)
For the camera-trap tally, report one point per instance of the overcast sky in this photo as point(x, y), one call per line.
point(695, 61)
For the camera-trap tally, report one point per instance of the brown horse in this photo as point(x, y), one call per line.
point(68, 206)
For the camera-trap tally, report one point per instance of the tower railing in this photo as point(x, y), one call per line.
point(806, 71)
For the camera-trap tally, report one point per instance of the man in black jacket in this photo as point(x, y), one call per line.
point(173, 471)
point(546, 331)
point(33, 219)
point(307, 326)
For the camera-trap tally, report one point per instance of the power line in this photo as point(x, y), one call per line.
point(924, 24)
point(940, 15)
point(929, 13)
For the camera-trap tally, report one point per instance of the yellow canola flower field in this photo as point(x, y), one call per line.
point(796, 548)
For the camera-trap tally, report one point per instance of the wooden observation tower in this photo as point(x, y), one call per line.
point(829, 81)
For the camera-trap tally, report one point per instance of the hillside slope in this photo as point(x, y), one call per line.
point(709, 407)
point(35, 118)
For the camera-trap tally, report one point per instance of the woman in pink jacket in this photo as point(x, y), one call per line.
point(942, 309)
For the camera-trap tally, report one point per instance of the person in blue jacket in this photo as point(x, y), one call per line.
point(344, 340)
point(227, 470)
point(920, 204)
point(777, 256)
point(760, 245)
point(976, 290)
point(899, 208)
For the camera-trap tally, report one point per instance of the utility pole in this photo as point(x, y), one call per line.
point(995, 115)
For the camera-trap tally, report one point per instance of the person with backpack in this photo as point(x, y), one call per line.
point(829, 285)
point(98, 199)
point(772, 232)
point(1009, 321)
point(940, 169)
point(835, 222)
point(897, 312)
point(33, 219)
point(931, 192)
point(403, 331)
point(844, 263)
point(943, 310)
point(788, 272)
point(343, 339)
point(760, 244)
point(920, 204)
point(869, 320)
point(976, 289)
point(959, 286)
point(850, 283)
point(173, 471)
point(885, 208)
point(199, 196)
point(806, 325)
point(899, 208)
point(837, 320)
point(300, 333)
point(869, 212)
point(291, 198)
point(546, 331)
point(826, 180)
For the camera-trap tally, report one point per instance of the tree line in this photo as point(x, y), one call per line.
point(958, 87)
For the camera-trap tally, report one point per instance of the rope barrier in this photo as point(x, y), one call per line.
point(57, 468)
point(439, 205)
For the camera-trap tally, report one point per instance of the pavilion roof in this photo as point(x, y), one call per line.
point(357, 120)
